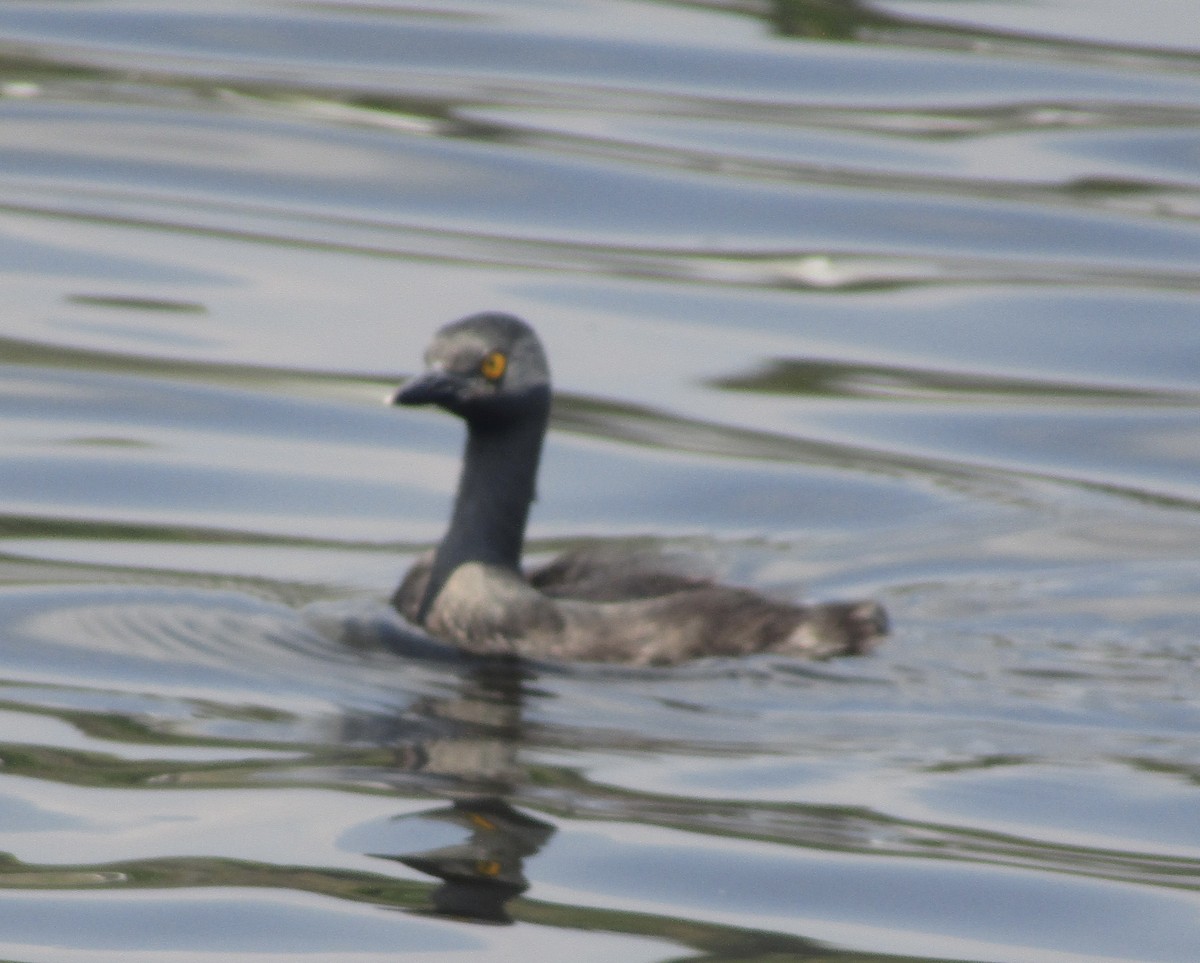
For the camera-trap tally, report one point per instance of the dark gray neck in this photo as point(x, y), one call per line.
point(494, 493)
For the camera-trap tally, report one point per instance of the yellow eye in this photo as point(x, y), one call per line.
point(482, 822)
point(492, 367)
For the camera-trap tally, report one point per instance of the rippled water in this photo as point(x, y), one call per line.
point(892, 299)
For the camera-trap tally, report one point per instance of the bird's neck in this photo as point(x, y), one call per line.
point(494, 493)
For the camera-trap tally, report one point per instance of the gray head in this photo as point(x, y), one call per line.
point(486, 368)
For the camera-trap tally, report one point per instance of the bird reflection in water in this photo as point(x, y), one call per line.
point(483, 873)
point(477, 764)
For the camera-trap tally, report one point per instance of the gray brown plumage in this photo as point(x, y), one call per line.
point(588, 605)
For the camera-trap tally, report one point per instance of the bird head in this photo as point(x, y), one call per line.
point(487, 368)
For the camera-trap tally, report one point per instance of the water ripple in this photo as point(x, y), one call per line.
point(892, 299)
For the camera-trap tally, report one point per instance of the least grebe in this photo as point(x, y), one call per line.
point(606, 604)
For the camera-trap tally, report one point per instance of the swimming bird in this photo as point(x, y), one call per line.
point(606, 604)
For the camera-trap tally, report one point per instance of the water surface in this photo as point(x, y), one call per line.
point(894, 300)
